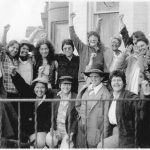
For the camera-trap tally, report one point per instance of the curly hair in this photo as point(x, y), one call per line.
point(118, 73)
point(38, 57)
point(99, 44)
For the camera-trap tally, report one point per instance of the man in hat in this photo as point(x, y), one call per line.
point(92, 107)
point(25, 63)
point(65, 114)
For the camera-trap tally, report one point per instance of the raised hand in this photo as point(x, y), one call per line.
point(7, 27)
point(12, 70)
point(100, 20)
point(72, 15)
point(121, 16)
point(145, 87)
point(93, 55)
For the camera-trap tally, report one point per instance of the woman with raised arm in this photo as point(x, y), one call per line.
point(125, 36)
point(38, 90)
point(84, 50)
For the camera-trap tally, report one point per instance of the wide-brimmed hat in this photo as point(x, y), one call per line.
point(26, 42)
point(42, 79)
point(97, 69)
point(65, 79)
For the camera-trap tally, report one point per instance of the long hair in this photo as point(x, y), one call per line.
point(38, 57)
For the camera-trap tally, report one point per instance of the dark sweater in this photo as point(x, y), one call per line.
point(68, 67)
point(27, 109)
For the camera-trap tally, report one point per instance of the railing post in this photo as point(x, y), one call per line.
point(103, 123)
point(35, 121)
point(86, 120)
point(0, 124)
point(52, 122)
point(19, 124)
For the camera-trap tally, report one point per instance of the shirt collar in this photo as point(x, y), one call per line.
point(97, 88)
point(61, 96)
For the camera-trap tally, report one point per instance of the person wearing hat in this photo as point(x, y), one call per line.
point(91, 106)
point(25, 67)
point(38, 90)
point(65, 114)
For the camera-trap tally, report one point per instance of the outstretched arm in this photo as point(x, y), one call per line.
point(77, 42)
point(99, 22)
point(123, 30)
point(20, 84)
point(4, 36)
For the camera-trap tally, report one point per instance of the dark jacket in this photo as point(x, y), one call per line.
point(71, 116)
point(27, 109)
point(128, 118)
point(125, 36)
point(144, 123)
point(68, 67)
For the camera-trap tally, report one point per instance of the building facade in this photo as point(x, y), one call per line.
point(87, 13)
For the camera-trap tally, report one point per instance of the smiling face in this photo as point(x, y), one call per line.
point(115, 44)
point(44, 50)
point(95, 79)
point(39, 90)
point(24, 50)
point(68, 50)
point(13, 49)
point(142, 47)
point(134, 40)
point(117, 84)
point(65, 88)
point(93, 41)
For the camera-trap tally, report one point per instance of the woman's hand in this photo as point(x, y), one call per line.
point(40, 71)
point(6, 28)
point(72, 15)
point(12, 70)
point(93, 55)
point(145, 87)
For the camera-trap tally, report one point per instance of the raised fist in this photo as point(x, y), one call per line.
point(93, 55)
point(121, 16)
point(100, 20)
point(72, 15)
point(12, 70)
point(7, 27)
point(145, 87)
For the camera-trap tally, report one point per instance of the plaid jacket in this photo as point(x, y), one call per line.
point(7, 81)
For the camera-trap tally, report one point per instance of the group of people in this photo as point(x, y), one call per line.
point(86, 101)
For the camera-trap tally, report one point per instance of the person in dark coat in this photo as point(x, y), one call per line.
point(68, 63)
point(124, 115)
point(38, 90)
point(65, 114)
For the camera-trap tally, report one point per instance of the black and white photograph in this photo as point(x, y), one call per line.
point(74, 74)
